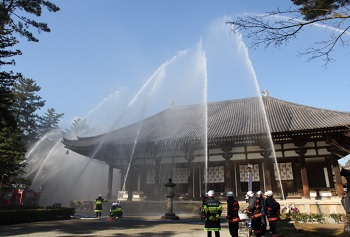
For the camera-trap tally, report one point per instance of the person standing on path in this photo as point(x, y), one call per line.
point(98, 205)
point(263, 212)
point(212, 210)
point(205, 197)
point(273, 212)
point(254, 212)
point(232, 214)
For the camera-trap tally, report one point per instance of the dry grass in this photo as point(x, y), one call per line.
point(286, 229)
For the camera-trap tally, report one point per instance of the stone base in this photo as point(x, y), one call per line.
point(170, 216)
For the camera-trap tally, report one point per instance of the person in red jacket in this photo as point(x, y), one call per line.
point(232, 214)
point(254, 212)
point(273, 212)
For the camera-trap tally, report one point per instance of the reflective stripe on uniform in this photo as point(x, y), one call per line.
point(212, 229)
point(271, 219)
point(235, 220)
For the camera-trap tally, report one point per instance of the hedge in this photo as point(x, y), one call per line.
point(15, 214)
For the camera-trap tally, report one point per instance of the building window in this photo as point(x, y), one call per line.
point(244, 173)
point(216, 174)
point(180, 175)
point(286, 171)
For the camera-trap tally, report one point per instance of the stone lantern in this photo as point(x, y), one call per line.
point(169, 188)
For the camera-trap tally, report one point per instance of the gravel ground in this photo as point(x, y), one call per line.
point(127, 226)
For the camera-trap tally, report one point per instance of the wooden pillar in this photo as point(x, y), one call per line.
point(129, 186)
point(229, 178)
point(197, 194)
point(122, 180)
point(110, 181)
point(237, 182)
point(156, 179)
point(303, 172)
point(229, 173)
point(190, 159)
point(270, 179)
point(338, 181)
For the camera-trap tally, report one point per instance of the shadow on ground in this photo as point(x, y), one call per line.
point(153, 226)
point(102, 227)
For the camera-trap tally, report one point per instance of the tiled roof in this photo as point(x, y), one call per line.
point(233, 118)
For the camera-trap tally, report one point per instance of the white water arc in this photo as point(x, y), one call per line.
point(169, 76)
point(249, 63)
point(187, 78)
point(203, 63)
point(144, 108)
point(153, 83)
point(38, 155)
point(35, 146)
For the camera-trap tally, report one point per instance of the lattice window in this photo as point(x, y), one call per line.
point(216, 174)
point(286, 171)
point(244, 174)
point(180, 175)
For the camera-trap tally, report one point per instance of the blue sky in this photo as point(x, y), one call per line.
point(96, 48)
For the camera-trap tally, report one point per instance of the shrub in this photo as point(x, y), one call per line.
point(23, 214)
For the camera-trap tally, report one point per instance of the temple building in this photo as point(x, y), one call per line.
point(227, 146)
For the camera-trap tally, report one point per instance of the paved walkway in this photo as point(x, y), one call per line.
point(128, 226)
point(151, 226)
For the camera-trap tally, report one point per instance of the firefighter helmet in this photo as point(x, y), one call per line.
point(211, 193)
point(229, 194)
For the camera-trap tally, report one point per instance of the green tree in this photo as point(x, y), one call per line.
point(26, 103)
point(12, 157)
point(14, 21)
point(79, 128)
point(13, 17)
point(278, 27)
point(49, 121)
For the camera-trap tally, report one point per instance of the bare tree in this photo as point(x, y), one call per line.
point(279, 27)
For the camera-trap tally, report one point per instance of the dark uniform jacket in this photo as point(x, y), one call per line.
point(254, 208)
point(212, 210)
point(99, 201)
point(272, 210)
point(232, 210)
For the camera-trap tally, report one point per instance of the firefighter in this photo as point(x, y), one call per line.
point(232, 214)
point(212, 210)
point(273, 212)
point(205, 197)
point(261, 198)
point(98, 207)
point(116, 211)
point(254, 212)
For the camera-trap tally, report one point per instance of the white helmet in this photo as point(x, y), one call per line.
point(250, 194)
point(269, 193)
point(211, 193)
point(259, 193)
point(229, 194)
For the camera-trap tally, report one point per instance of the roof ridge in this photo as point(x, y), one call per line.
point(308, 106)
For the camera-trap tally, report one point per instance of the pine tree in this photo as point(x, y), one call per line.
point(49, 121)
point(26, 103)
point(14, 21)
